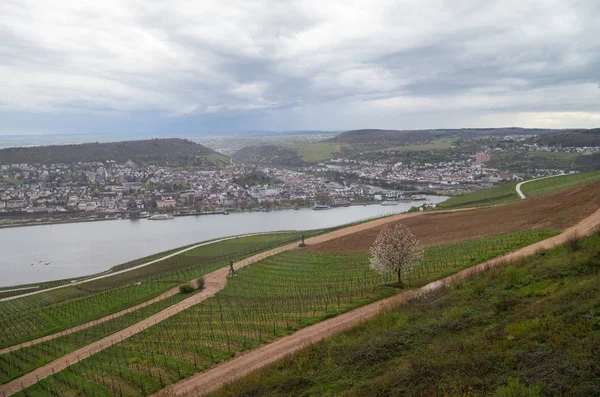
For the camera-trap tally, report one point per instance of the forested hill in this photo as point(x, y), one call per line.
point(166, 152)
point(571, 138)
point(415, 136)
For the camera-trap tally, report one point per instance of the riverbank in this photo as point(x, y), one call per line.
point(83, 248)
point(38, 220)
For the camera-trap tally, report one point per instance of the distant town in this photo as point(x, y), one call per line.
point(36, 192)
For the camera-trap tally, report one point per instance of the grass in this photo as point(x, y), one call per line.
point(42, 314)
point(317, 151)
point(530, 328)
point(496, 195)
point(545, 186)
point(264, 301)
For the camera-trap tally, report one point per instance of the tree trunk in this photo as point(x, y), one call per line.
point(399, 276)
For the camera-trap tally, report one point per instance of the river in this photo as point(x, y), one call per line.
point(51, 252)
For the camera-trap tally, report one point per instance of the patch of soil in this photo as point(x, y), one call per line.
point(557, 210)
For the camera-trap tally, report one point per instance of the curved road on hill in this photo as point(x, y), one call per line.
point(228, 371)
point(520, 193)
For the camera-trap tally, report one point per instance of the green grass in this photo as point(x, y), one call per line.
point(317, 151)
point(42, 314)
point(531, 328)
point(496, 195)
point(266, 300)
point(549, 185)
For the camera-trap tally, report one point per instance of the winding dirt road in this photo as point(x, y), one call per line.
point(228, 371)
point(214, 282)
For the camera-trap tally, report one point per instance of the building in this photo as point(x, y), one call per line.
point(482, 157)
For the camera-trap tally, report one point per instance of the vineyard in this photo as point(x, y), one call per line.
point(26, 359)
point(37, 315)
point(268, 299)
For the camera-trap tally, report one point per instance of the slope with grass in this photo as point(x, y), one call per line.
point(549, 185)
point(496, 195)
point(269, 299)
point(525, 329)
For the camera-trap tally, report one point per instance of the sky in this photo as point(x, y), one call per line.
point(160, 67)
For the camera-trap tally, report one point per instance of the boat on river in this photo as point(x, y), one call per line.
point(388, 203)
point(161, 217)
point(320, 207)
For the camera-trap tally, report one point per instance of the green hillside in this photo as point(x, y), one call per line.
point(496, 195)
point(530, 328)
point(507, 192)
point(545, 186)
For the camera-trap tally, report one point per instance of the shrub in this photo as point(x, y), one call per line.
point(186, 288)
point(515, 388)
point(573, 243)
point(200, 283)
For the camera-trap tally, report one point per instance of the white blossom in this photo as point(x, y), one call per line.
point(396, 250)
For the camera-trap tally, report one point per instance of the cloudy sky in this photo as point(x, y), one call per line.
point(80, 66)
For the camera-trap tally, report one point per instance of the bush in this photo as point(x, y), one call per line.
point(515, 388)
point(200, 283)
point(186, 288)
point(573, 243)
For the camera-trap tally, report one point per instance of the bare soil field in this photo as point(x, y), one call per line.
point(554, 211)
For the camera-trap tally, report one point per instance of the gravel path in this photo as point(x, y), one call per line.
point(228, 371)
point(520, 193)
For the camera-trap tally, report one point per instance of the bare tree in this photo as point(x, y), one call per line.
point(396, 250)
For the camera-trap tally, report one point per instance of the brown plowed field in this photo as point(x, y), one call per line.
point(554, 211)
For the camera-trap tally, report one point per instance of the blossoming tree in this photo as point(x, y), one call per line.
point(396, 250)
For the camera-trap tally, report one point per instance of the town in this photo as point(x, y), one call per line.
point(109, 190)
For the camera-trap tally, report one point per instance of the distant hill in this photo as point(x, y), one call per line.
point(386, 138)
point(268, 155)
point(166, 152)
point(571, 138)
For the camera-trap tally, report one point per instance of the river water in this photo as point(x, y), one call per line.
point(79, 249)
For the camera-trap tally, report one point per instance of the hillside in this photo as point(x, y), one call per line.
point(507, 192)
point(529, 328)
point(408, 137)
point(166, 152)
point(268, 155)
point(570, 138)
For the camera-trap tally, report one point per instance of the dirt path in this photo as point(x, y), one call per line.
point(214, 282)
point(230, 370)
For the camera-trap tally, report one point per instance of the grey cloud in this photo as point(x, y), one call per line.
point(266, 63)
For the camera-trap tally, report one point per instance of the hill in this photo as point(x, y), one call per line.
point(529, 328)
point(507, 192)
point(268, 155)
point(395, 137)
point(570, 138)
point(165, 152)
